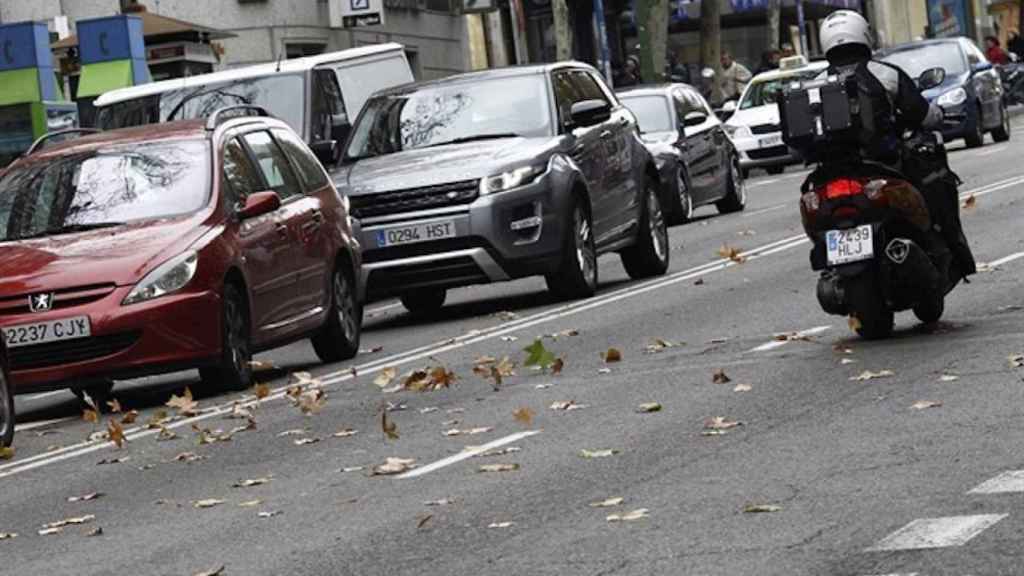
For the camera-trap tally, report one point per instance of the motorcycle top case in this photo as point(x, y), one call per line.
point(818, 112)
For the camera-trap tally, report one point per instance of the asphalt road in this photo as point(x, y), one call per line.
point(854, 479)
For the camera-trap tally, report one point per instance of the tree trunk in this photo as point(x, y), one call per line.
point(774, 10)
point(563, 30)
point(711, 45)
point(652, 28)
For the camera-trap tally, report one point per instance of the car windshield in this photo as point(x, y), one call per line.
point(104, 187)
point(767, 92)
point(914, 61)
point(652, 112)
point(452, 113)
point(280, 95)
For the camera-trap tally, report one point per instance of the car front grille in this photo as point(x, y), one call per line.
point(766, 153)
point(766, 128)
point(62, 298)
point(70, 351)
point(413, 199)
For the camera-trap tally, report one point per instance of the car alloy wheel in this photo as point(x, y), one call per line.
point(237, 337)
point(338, 339)
point(586, 256)
point(685, 200)
point(234, 372)
point(739, 182)
point(656, 223)
point(345, 306)
point(650, 255)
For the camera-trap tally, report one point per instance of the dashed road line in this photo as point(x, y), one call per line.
point(928, 533)
point(467, 454)
point(1005, 483)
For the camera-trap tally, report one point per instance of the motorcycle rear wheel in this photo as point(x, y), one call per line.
point(930, 312)
point(866, 304)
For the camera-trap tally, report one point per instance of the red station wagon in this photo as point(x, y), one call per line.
point(182, 245)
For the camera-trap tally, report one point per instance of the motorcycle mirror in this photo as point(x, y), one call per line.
point(931, 78)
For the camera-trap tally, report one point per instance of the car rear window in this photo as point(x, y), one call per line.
point(104, 186)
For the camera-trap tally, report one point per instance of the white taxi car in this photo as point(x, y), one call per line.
point(755, 127)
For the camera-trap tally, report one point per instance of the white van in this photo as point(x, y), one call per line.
point(319, 96)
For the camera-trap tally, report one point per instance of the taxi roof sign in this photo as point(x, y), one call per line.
point(792, 62)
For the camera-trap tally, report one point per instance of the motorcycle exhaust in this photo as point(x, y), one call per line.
point(913, 274)
point(831, 296)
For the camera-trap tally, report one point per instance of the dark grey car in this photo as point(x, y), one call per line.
point(695, 158)
point(498, 175)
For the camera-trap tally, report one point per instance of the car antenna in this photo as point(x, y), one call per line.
point(280, 55)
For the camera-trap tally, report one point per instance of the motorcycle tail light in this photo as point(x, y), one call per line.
point(842, 188)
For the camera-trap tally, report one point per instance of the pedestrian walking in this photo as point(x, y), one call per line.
point(734, 77)
point(630, 73)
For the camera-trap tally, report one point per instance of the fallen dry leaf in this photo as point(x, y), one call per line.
point(389, 428)
point(97, 531)
point(392, 466)
point(854, 323)
point(604, 453)
point(305, 441)
point(8, 535)
point(1016, 360)
point(742, 388)
point(566, 405)
point(119, 460)
point(467, 432)
point(970, 203)
point(948, 378)
point(869, 375)
point(658, 345)
point(608, 503)
point(498, 467)
point(250, 503)
point(441, 502)
point(612, 355)
point(268, 514)
point(311, 401)
point(165, 435)
point(250, 482)
point(116, 433)
point(346, 433)
point(58, 525)
point(648, 407)
point(352, 469)
point(731, 253)
point(846, 361)
point(385, 377)
point(158, 419)
point(719, 377)
point(114, 405)
point(492, 453)
point(761, 508)
point(423, 521)
point(638, 514)
point(501, 524)
point(85, 497)
point(292, 432)
point(207, 503)
point(90, 416)
point(261, 366)
point(211, 572)
point(557, 366)
point(6, 452)
point(509, 338)
point(185, 405)
point(720, 423)
point(925, 404)
point(261, 391)
point(523, 415)
point(129, 417)
point(188, 457)
point(604, 370)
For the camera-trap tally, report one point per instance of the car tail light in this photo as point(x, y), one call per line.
point(842, 188)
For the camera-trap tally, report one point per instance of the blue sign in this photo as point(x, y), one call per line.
point(25, 45)
point(948, 18)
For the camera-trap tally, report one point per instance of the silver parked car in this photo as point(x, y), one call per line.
point(497, 175)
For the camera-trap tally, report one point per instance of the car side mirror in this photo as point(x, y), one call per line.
point(694, 119)
point(931, 78)
point(589, 113)
point(326, 151)
point(729, 107)
point(982, 66)
point(258, 204)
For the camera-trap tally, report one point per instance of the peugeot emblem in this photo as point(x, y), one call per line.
point(40, 302)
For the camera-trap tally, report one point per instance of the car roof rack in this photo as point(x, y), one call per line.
point(252, 110)
point(38, 144)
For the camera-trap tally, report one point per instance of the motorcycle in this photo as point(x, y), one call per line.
point(874, 242)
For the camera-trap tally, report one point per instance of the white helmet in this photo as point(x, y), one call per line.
point(844, 27)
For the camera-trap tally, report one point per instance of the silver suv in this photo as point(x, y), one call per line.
point(498, 175)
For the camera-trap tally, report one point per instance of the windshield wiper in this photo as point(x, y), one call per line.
point(71, 229)
point(476, 138)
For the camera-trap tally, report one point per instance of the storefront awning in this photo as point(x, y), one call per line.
point(102, 77)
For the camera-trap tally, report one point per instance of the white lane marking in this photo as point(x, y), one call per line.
point(1011, 481)
point(764, 182)
point(45, 394)
point(83, 448)
point(990, 150)
point(993, 187)
point(801, 334)
point(897, 574)
point(466, 454)
point(88, 447)
point(937, 532)
point(1005, 260)
point(41, 423)
point(770, 209)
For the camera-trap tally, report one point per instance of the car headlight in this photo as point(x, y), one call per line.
point(737, 131)
point(512, 179)
point(953, 97)
point(166, 278)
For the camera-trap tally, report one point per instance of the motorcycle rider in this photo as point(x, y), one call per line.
point(898, 107)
